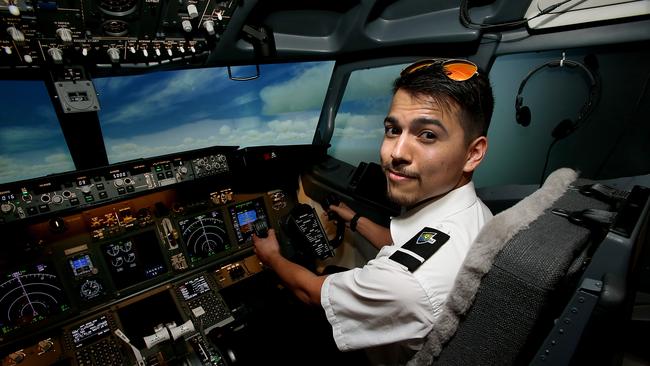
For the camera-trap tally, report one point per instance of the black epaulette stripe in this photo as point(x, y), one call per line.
point(406, 260)
point(425, 244)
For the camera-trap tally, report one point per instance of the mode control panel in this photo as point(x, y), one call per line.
point(23, 200)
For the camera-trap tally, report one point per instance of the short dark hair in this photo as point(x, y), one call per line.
point(473, 97)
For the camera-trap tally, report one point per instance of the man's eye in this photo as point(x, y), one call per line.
point(427, 135)
point(392, 131)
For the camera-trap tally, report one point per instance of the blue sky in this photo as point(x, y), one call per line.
point(165, 112)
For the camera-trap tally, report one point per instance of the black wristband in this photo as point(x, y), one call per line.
point(353, 222)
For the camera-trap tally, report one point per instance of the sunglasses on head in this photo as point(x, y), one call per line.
point(455, 69)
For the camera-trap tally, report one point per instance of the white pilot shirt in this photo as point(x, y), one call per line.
point(385, 308)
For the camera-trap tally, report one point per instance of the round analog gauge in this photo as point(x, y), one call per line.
point(90, 289)
point(113, 250)
point(118, 8)
point(117, 262)
point(204, 235)
point(115, 28)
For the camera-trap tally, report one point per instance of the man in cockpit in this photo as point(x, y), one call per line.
point(435, 137)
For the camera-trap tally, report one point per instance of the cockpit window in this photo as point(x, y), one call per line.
point(165, 112)
point(359, 124)
point(31, 140)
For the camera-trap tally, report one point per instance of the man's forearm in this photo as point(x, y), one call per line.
point(305, 284)
point(376, 234)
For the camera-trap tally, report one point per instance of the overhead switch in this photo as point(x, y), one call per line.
point(187, 26)
point(14, 10)
point(192, 11)
point(56, 54)
point(65, 34)
point(15, 34)
point(114, 54)
point(209, 27)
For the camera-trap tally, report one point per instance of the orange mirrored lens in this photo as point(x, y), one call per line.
point(460, 71)
point(457, 70)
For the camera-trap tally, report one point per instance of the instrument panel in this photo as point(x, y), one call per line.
point(69, 274)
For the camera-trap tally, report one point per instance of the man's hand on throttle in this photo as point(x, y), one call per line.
point(343, 211)
point(266, 248)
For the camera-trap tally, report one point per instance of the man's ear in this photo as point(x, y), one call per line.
point(475, 153)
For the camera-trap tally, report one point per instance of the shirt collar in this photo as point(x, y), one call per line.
point(409, 223)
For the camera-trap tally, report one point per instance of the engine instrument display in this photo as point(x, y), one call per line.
point(244, 214)
point(204, 235)
point(134, 259)
point(29, 295)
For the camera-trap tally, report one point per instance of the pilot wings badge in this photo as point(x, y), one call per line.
point(426, 237)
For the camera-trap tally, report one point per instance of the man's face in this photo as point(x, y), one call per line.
point(424, 152)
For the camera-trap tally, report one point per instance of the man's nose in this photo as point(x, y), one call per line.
point(401, 150)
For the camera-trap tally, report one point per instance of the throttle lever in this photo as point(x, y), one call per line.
point(334, 200)
point(260, 228)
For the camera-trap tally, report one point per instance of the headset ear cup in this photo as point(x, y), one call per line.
point(522, 115)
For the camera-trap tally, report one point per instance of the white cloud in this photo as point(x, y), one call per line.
point(306, 91)
point(161, 95)
point(296, 128)
point(378, 82)
point(359, 126)
point(243, 99)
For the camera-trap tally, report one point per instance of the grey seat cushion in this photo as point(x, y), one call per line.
point(510, 279)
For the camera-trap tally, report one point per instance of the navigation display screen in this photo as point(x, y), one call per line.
point(28, 295)
point(204, 235)
point(134, 259)
point(90, 331)
point(244, 214)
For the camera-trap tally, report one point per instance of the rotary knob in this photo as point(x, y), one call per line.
point(85, 189)
point(187, 26)
point(113, 54)
point(65, 34)
point(56, 54)
point(192, 11)
point(209, 27)
point(6, 208)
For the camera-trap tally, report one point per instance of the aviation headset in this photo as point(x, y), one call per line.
point(566, 126)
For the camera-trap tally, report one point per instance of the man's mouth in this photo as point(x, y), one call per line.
point(399, 176)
